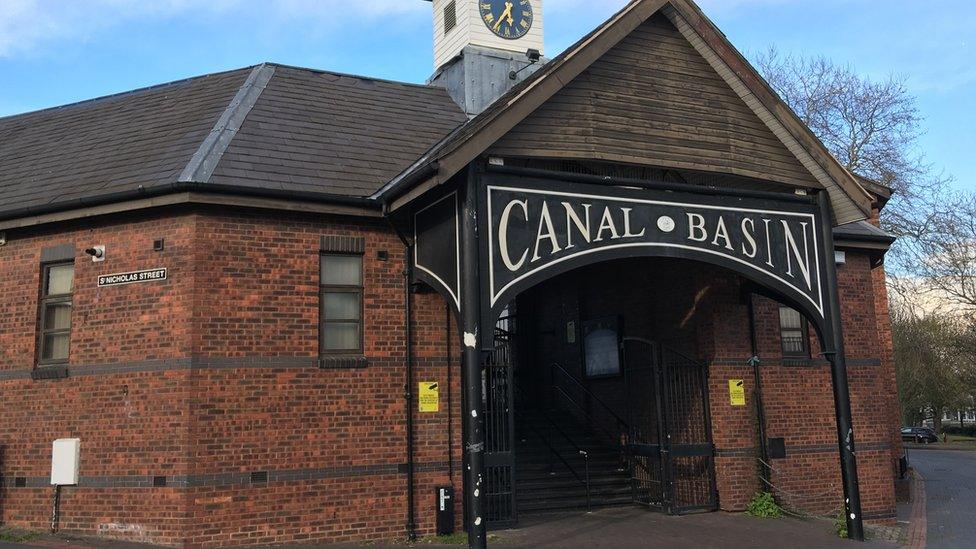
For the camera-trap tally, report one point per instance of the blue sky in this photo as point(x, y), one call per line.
point(59, 51)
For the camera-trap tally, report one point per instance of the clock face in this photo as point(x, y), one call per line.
point(509, 19)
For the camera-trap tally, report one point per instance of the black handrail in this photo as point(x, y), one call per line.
point(585, 481)
point(589, 393)
point(622, 426)
point(568, 398)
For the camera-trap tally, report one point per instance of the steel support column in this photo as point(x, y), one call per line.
point(833, 339)
point(473, 364)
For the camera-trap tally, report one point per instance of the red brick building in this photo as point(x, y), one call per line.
point(238, 290)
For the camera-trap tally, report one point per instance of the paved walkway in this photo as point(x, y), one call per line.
point(950, 496)
point(633, 527)
point(618, 528)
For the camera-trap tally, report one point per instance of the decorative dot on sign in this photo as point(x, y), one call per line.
point(665, 223)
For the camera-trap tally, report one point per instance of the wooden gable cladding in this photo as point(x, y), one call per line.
point(652, 99)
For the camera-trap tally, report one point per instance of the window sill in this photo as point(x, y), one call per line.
point(327, 362)
point(49, 371)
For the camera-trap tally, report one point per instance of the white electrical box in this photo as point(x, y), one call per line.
point(65, 457)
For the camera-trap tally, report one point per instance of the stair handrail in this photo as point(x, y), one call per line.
point(584, 480)
point(568, 398)
point(623, 426)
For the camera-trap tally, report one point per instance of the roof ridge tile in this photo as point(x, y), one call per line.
point(204, 161)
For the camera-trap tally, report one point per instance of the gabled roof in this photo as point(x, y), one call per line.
point(850, 202)
point(329, 137)
point(267, 127)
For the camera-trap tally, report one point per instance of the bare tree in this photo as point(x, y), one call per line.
point(873, 129)
point(943, 251)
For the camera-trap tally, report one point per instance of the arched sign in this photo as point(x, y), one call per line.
point(531, 229)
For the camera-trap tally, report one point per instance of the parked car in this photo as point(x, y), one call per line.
point(920, 435)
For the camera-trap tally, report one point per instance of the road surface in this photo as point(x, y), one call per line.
point(950, 495)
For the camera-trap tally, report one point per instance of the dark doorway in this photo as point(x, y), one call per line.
point(565, 432)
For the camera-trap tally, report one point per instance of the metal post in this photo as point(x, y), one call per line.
point(471, 375)
point(56, 509)
point(755, 361)
point(834, 352)
point(586, 469)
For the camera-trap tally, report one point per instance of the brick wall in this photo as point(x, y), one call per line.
point(212, 375)
point(333, 440)
point(798, 404)
point(127, 394)
point(209, 383)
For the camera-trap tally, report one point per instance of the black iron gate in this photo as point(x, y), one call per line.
point(670, 446)
point(499, 482)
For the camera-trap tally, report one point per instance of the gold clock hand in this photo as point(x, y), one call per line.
point(507, 13)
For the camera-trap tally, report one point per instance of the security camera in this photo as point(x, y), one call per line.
point(3, 238)
point(97, 253)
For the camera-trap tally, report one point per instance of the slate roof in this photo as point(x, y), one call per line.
point(864, 231)
point(303, 130)
point(102, 146)
point(327, 132)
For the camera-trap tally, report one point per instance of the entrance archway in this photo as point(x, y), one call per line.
point(507, 238)
point(572, 422)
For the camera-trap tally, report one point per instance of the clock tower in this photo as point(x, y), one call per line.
point(480, 44)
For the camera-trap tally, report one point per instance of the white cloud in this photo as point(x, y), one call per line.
point(26, 25)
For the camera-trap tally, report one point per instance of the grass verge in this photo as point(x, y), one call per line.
point(16, 535)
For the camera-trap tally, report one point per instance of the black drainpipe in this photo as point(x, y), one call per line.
point(760, 410)
point(450, 391)
point(408, 384)
point(408, 331)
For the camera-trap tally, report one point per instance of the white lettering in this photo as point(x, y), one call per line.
point(748, 234)
point(793, 251)
point(545, 218)
point(696, 223)
point(503, 234)
point(769, 244)
point(722, 232)
point(627, 233)
point(606, 223)
point(573, 219)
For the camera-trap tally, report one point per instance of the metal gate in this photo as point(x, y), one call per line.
point(670, 447)
point(499, 483)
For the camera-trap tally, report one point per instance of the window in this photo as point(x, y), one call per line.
point(341, 302)
point(55, 313)
point(793, 332)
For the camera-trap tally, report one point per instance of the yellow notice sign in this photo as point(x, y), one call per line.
point(429, 399)
point(737, 392)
